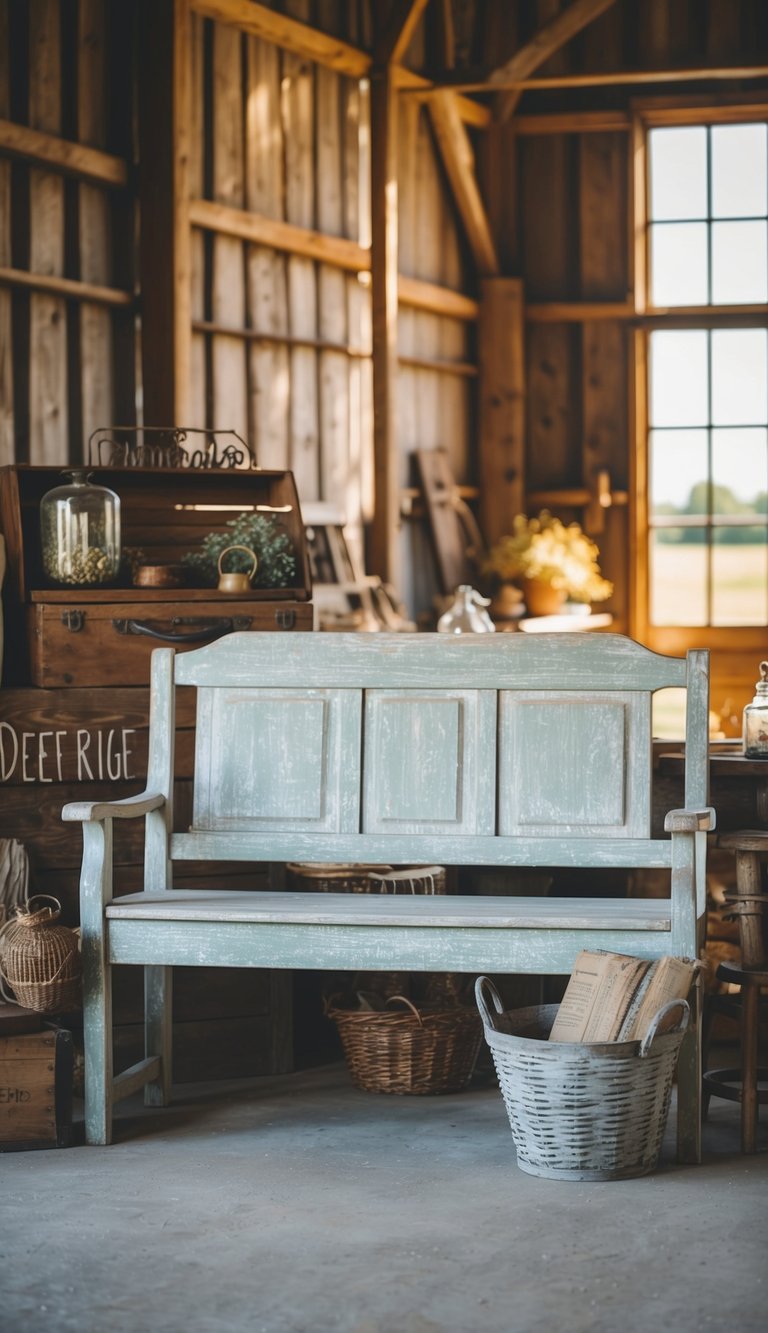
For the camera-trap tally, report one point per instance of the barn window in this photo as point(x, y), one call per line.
point(702, 381)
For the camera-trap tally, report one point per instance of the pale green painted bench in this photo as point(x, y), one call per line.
point(503, 750)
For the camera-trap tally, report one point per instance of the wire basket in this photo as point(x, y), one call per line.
point(426, 1050)
point(316, 877)
point(39, 960)
point(577, 1110)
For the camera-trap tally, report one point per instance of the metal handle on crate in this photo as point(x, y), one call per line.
point(658, 1019)
point(209, 629)
point(483, 985)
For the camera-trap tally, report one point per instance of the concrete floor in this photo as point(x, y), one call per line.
point(298, 1203)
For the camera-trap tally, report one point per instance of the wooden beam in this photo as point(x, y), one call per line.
point(472, 113)
point(165, 257)
point(336, 250)
point(288, 33)
point(287, 236)
point(549, 38)
point(573, 122)
point(458, 160)
point(384, 553)
point(437, 300)
point(427, 88)
point(69, 287)
point(399, 30)
point(292, 35)
point(577, 312)
point(502, 405)
point(75, 159)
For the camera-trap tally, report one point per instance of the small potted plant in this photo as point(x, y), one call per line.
point(552, 562)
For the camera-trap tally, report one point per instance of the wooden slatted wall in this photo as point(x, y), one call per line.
point(67, 313)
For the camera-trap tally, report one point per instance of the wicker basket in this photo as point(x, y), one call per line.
point(40, 960)
point(316, 877)
point(421, 1051)
point(581, 1111)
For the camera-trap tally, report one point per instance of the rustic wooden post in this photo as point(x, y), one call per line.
point(502, 404)
point(384, 554)
point(164, 119)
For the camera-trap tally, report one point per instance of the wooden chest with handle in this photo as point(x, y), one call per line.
point(78, 636)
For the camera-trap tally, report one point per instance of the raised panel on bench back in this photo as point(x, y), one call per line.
point(278, 760)
point(574, 765)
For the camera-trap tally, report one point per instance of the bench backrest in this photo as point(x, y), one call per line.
point(424, 747)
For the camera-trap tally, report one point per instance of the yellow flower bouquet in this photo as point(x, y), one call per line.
point(550, 551)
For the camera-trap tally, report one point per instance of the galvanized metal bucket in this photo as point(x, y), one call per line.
point(581, 1111)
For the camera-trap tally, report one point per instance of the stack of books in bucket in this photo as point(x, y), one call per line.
point(587, 1084)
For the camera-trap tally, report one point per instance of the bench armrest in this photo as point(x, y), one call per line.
point(690, 821)
point(130, 807)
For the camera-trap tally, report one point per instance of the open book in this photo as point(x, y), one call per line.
point(613, 997)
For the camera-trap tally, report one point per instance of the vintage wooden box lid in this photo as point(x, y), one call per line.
point(165, 514)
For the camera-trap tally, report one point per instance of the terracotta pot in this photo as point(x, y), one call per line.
point(541, 599)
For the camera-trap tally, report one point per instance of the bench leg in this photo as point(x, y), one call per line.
point(97, 983)
point(689, 1086)
point(158, 1031)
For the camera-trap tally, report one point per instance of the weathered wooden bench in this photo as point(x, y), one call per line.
point(507, 750)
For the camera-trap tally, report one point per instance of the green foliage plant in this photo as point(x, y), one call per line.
point(262, 534)
point(547, 549)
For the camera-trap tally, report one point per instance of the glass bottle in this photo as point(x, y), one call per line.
point(756, 719)
point(80, 532)
point(467, 615)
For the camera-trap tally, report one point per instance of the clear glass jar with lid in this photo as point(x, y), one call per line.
point(755, 733)
point(80, 532)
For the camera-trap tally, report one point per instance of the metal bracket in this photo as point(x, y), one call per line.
point(285, 618)
point(74, 621)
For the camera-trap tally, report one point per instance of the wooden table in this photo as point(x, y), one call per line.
point(738, 786)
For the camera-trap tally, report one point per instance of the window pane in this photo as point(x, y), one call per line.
point(739, 387)
point(678, 568)
point(678, 173)
point(739, 262)
point(678, 378)
point(678, 464)
point(679, 264)
point(740, 471)
point(740, 577)
point(739, 159)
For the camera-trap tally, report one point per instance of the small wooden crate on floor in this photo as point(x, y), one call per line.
point(36, 1090)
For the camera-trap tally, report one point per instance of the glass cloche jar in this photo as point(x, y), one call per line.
point(755, 729)
point(80, 532)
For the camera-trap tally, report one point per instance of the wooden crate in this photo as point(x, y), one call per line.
point(36, 1090)
point(104, 636)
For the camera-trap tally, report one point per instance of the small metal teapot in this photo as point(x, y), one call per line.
point(237, 582)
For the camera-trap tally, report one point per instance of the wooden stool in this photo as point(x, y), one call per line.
point(749, 906)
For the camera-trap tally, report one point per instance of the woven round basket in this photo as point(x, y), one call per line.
point(314, 877)
point(39, 960)
point(426, 1050)
point(581, 1111)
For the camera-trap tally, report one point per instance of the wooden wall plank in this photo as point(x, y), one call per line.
point(553, 431)
point(603, 203)
point(385, 549)
point(355, 203)
point(165, 260)
point(230, 399)
point(501, 362)
point(198, 368)
point(266, 281)
point(604, 417)
point(48, 397)
point(7, 446)
point(331, 284)
point(298, 130)
point(548, 236)
point(96, 361)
